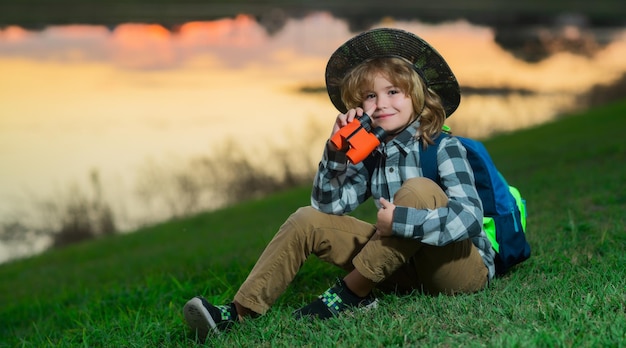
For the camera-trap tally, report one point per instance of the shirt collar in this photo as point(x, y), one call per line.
point(406, 138)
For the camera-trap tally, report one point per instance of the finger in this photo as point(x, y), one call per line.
point(384, 203)
point(342, 120)
point(359, 111)
point(371, 111)
point(350, 115)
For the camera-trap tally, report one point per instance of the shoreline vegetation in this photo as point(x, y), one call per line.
point(496, 13)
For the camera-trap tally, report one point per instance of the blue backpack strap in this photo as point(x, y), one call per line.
point(428, 159)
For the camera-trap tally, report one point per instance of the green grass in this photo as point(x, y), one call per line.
point(128, 290)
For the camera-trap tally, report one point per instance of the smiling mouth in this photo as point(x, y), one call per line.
point(382, 116)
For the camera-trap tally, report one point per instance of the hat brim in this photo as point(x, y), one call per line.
point(387, 42)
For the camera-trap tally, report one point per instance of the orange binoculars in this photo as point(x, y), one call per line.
point(359, 137)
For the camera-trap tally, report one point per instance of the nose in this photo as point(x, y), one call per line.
point(381, 102)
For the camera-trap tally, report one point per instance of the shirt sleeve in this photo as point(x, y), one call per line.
point(339, 187)
point(461, 218)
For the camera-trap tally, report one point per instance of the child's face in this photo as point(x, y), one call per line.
point(394, 109)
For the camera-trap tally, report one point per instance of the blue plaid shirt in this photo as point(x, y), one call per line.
point(340, 187)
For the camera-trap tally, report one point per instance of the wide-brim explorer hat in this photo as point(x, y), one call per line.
point(388, 42)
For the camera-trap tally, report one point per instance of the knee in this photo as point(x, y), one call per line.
point(420, 183)
point(305, 216)
point(303, 225)
point(421, 193)
point(303, 220)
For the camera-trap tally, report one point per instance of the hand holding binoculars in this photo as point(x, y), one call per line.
point(359, 137)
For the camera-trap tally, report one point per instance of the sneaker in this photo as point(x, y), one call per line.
point(334, 301)
point(204, 317)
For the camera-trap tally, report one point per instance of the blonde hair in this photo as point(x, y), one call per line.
point(400, 72)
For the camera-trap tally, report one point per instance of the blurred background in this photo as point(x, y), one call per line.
point(117, 114)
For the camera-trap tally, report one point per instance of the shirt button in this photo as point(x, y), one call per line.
point(390, 170)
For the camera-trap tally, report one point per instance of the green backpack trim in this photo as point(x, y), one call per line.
point(490, 229)
point(521, 205)
point(489, 224)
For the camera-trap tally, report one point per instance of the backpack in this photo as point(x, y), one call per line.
point(505, 214)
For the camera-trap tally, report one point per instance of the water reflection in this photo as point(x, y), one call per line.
point(78, 97)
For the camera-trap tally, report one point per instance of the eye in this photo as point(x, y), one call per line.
point(370, 96)
point(394, 91)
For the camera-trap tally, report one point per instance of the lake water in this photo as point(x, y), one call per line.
point(128, 99)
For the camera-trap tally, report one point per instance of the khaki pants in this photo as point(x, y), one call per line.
point(396, 264)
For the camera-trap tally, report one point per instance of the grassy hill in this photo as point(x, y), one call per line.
point(128, 290)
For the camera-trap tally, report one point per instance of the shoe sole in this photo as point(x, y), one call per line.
point(362, 309)
point(352, 310)
point(372, 305)
point(198, 318)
